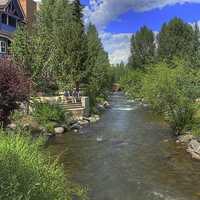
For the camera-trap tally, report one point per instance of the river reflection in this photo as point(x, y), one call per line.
point(137, 159)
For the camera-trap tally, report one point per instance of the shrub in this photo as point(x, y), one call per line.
point(26, 174)
point(45, 112)
point(171, 91)
point(14, 88)
point(132, 83)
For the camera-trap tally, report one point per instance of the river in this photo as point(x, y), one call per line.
point(137, 160)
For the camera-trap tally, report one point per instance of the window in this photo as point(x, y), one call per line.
point(3, 47)
point(4, 18)
point(12, 21)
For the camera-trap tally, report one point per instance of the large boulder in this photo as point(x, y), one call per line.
point(59, 130)
point(194, 149)
point(83, 122)
point(185, 138)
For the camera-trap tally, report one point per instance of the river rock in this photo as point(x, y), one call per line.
point(76, 126)
point(106, 105)
point(194, 149)
point(94, 118)
point(83, 122)
point(59, 130)
point(12, 126)
point(100, 108)
point(185, 138)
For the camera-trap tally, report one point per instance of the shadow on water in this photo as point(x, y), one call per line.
point(137, 159)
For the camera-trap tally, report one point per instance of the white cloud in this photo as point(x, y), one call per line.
point(117, 45)
point(101, 12)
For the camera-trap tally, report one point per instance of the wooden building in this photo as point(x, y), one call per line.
point(12, 14)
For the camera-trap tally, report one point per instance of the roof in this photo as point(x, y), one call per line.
point(4, 3)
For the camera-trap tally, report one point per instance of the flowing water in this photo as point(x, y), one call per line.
point(137, 159)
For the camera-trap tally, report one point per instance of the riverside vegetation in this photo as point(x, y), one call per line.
point(164, 71)
point(57, 53)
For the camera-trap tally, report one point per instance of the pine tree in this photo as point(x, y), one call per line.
point(79, 48)
point(98, 71)
point(77, 11)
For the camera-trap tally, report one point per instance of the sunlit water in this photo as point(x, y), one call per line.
point(137, 160)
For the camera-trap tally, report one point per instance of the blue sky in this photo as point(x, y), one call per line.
point(116, 20)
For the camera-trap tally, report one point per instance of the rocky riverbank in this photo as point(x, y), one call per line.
point(33, 127)
point(192, 144)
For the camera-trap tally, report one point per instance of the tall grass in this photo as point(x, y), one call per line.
point(25, 173)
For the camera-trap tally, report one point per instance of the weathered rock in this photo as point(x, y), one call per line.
point(76, 126)
point(194, 149)
point(59, 130)
point(177, 141)
point(195, 156)
point(86, 118)
point(195, 146)
point(185, 138)
point(12, 126)
point(106, 105)
point(73, 122)
point(100, 108)
point(83, 122)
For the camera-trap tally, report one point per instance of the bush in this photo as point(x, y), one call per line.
point(26, 174)
point(14, 88)
point(132, 83)
point(45, 112)
point(171, 91)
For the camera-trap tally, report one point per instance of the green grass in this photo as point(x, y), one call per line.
point(26, 174)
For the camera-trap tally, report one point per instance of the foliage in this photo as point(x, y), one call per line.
point(172, 91)
point(14, 88)
point(132, 83)
point(46, 112)
point(142, 48)
point(58, 54)
point(70, 42)
point(99, 73)
point(26, 174)
point(118, 71)
point(175, 40)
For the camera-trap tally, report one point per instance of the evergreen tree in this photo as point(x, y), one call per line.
point(142, 48)
point(79, 49)
point(99, 71)
point(175, 40)
point(77, 11)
